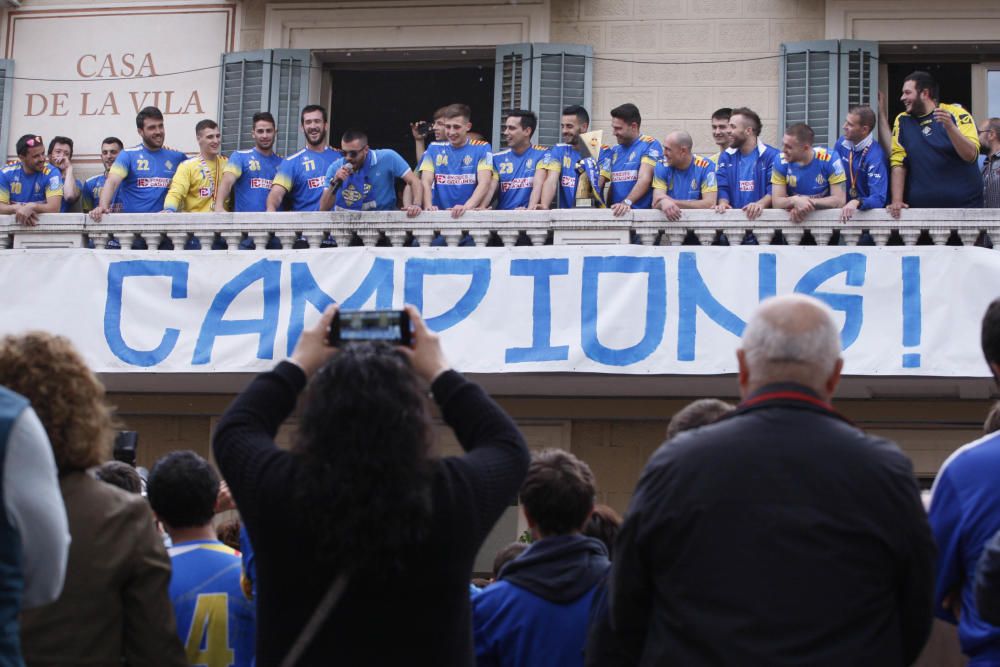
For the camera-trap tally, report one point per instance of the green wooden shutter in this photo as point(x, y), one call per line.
point(858, 75)
point(511, 84)
point(289, 93)
point(6, 88)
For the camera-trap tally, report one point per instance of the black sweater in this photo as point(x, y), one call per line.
point(423, 618)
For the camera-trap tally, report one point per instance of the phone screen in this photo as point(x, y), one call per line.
point(353, 326)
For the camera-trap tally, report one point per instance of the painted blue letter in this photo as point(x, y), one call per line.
point(656, 307)
point(853, 265)
point(117, 273)
point(693, 295)
point(541, 311)
point(417, 268)
point(214, 326)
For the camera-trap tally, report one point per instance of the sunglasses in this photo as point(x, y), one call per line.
point(35, 141)
point(353, 154)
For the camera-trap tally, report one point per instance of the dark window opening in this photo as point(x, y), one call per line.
point(954, 80)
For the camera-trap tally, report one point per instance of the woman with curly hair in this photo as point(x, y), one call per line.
point(114, 606)
point(361, 506)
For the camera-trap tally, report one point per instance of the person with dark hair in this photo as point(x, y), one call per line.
point(515, 169)
point(720, 131)
point(110, 148)
point(934, 151)
point(682, 180)
point(301, 177)
point(421, 131)
point(698, 413)
point(193, 187)
point(214, 618)
point(31, 185)
point(359, 512)
point(61, 157)
point(143, 172)
point(628, 166)
point(249, 173)
point(989, 137)
point(114, 607)
point(865, 162)
point(120, 474)
point(538, 610)
point(561, 160)
point(604, 523)
point(456, 173)
point(507, 554)
point(806, 178)
point(744, 172)
point(965, 515)
point(365, 178)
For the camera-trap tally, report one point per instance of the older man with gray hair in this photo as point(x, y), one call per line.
point(781, 534)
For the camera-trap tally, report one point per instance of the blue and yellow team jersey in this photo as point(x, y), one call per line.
point(91, 194)
point(215, 620)
point(516, 174)
point(373, 186)
point(621, 166)
point(809, 180)
point(456, 170)
point(688, 184)
point(562, 159)
point(254, 174)
point(19, 187)
point(68, 205)
point(146, 176)
point(303, 176)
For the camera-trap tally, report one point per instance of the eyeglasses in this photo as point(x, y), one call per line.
point(34, 141)
point(353, 154)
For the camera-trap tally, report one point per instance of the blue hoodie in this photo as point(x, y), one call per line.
point(537, 613)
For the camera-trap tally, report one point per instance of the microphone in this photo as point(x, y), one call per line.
point(338, 182)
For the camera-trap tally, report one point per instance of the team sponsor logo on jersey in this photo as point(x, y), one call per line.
point(260, 183)
point(152, 182)
point(625, 176)
point(746, 186)
point(168, 164)
point(515, 184)
point(316, 182)
point(204, 192)
point(455, 179)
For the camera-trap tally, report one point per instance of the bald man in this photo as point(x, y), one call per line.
point(682, 180)
point(781, 534)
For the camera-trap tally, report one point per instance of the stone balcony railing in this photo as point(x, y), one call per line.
point(499, 228)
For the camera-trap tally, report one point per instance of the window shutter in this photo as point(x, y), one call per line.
point(544, 78)
point(858, 75)
point(6, 83)
point(809, 88)
point(275, 80)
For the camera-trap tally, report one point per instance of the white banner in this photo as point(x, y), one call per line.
point(609, 309)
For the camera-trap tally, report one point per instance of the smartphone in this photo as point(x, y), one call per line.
point(359, 326)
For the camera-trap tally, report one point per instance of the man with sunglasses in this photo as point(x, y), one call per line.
point(365, 178)
point(32, 185)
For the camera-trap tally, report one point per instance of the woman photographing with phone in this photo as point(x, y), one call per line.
point(364, 540)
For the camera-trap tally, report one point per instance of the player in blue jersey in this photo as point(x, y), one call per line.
point(215, 620)
point(302, 176)
point(515, 169)
point(743, 175)
point(629, 165)
point(806, 178)
point(934, 151)
point(456, 173)
point(110, 148)
point(143, 172)
point(864, 161)
point(31, 185)
point(61, 157)
point(682, 180)
point(559, 163)
point(250, 173)
point(365, 178)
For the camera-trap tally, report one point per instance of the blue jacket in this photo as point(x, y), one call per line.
point(867, 171)
point(537, 613)
point(727, 175)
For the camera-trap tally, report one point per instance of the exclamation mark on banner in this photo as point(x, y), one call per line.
point(911, 311)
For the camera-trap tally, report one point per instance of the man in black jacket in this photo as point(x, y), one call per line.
point(781, 534)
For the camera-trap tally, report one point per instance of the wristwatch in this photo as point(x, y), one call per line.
point(627, 202)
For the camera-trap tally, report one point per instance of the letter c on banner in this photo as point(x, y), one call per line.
point(417, 268)
point(117, 273)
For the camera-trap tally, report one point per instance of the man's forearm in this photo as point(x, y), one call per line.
point(482, 189)
point(274, 198)
point(898, 180)
point(109, 190)
point(70, 191)
point(707, 201)
point(964, 146)
point(225, 187)
point(549, 189)
point(416, 189)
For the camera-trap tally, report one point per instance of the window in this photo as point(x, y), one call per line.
point(6, 79)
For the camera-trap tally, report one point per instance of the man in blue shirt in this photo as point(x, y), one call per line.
point(964, 515)
point(250, 173)
point(110, 148)
point(215, 620)
point(302, 176)
point(744, 172)
point(865, 162)
point(456, 173)
point(629, 165)
point(365, 178)
point(516, 169)
point(61, 157)
point(806, 178)
point(559, 163)
point(144, 172)
point(682, 179)
point(31, 185)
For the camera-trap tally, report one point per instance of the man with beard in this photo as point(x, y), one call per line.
point(629, 165)
point(367, 178)
point(559, 163)
point(110, 148)
point(302, 176)
point(934, 151)
point(31, 185)
point(193, 186)
point(144, 172)
point(744, 173)
point(249, 174)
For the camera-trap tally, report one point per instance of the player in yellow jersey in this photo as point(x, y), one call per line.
point(194, 185)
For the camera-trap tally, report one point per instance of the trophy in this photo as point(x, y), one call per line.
point(587, 171)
